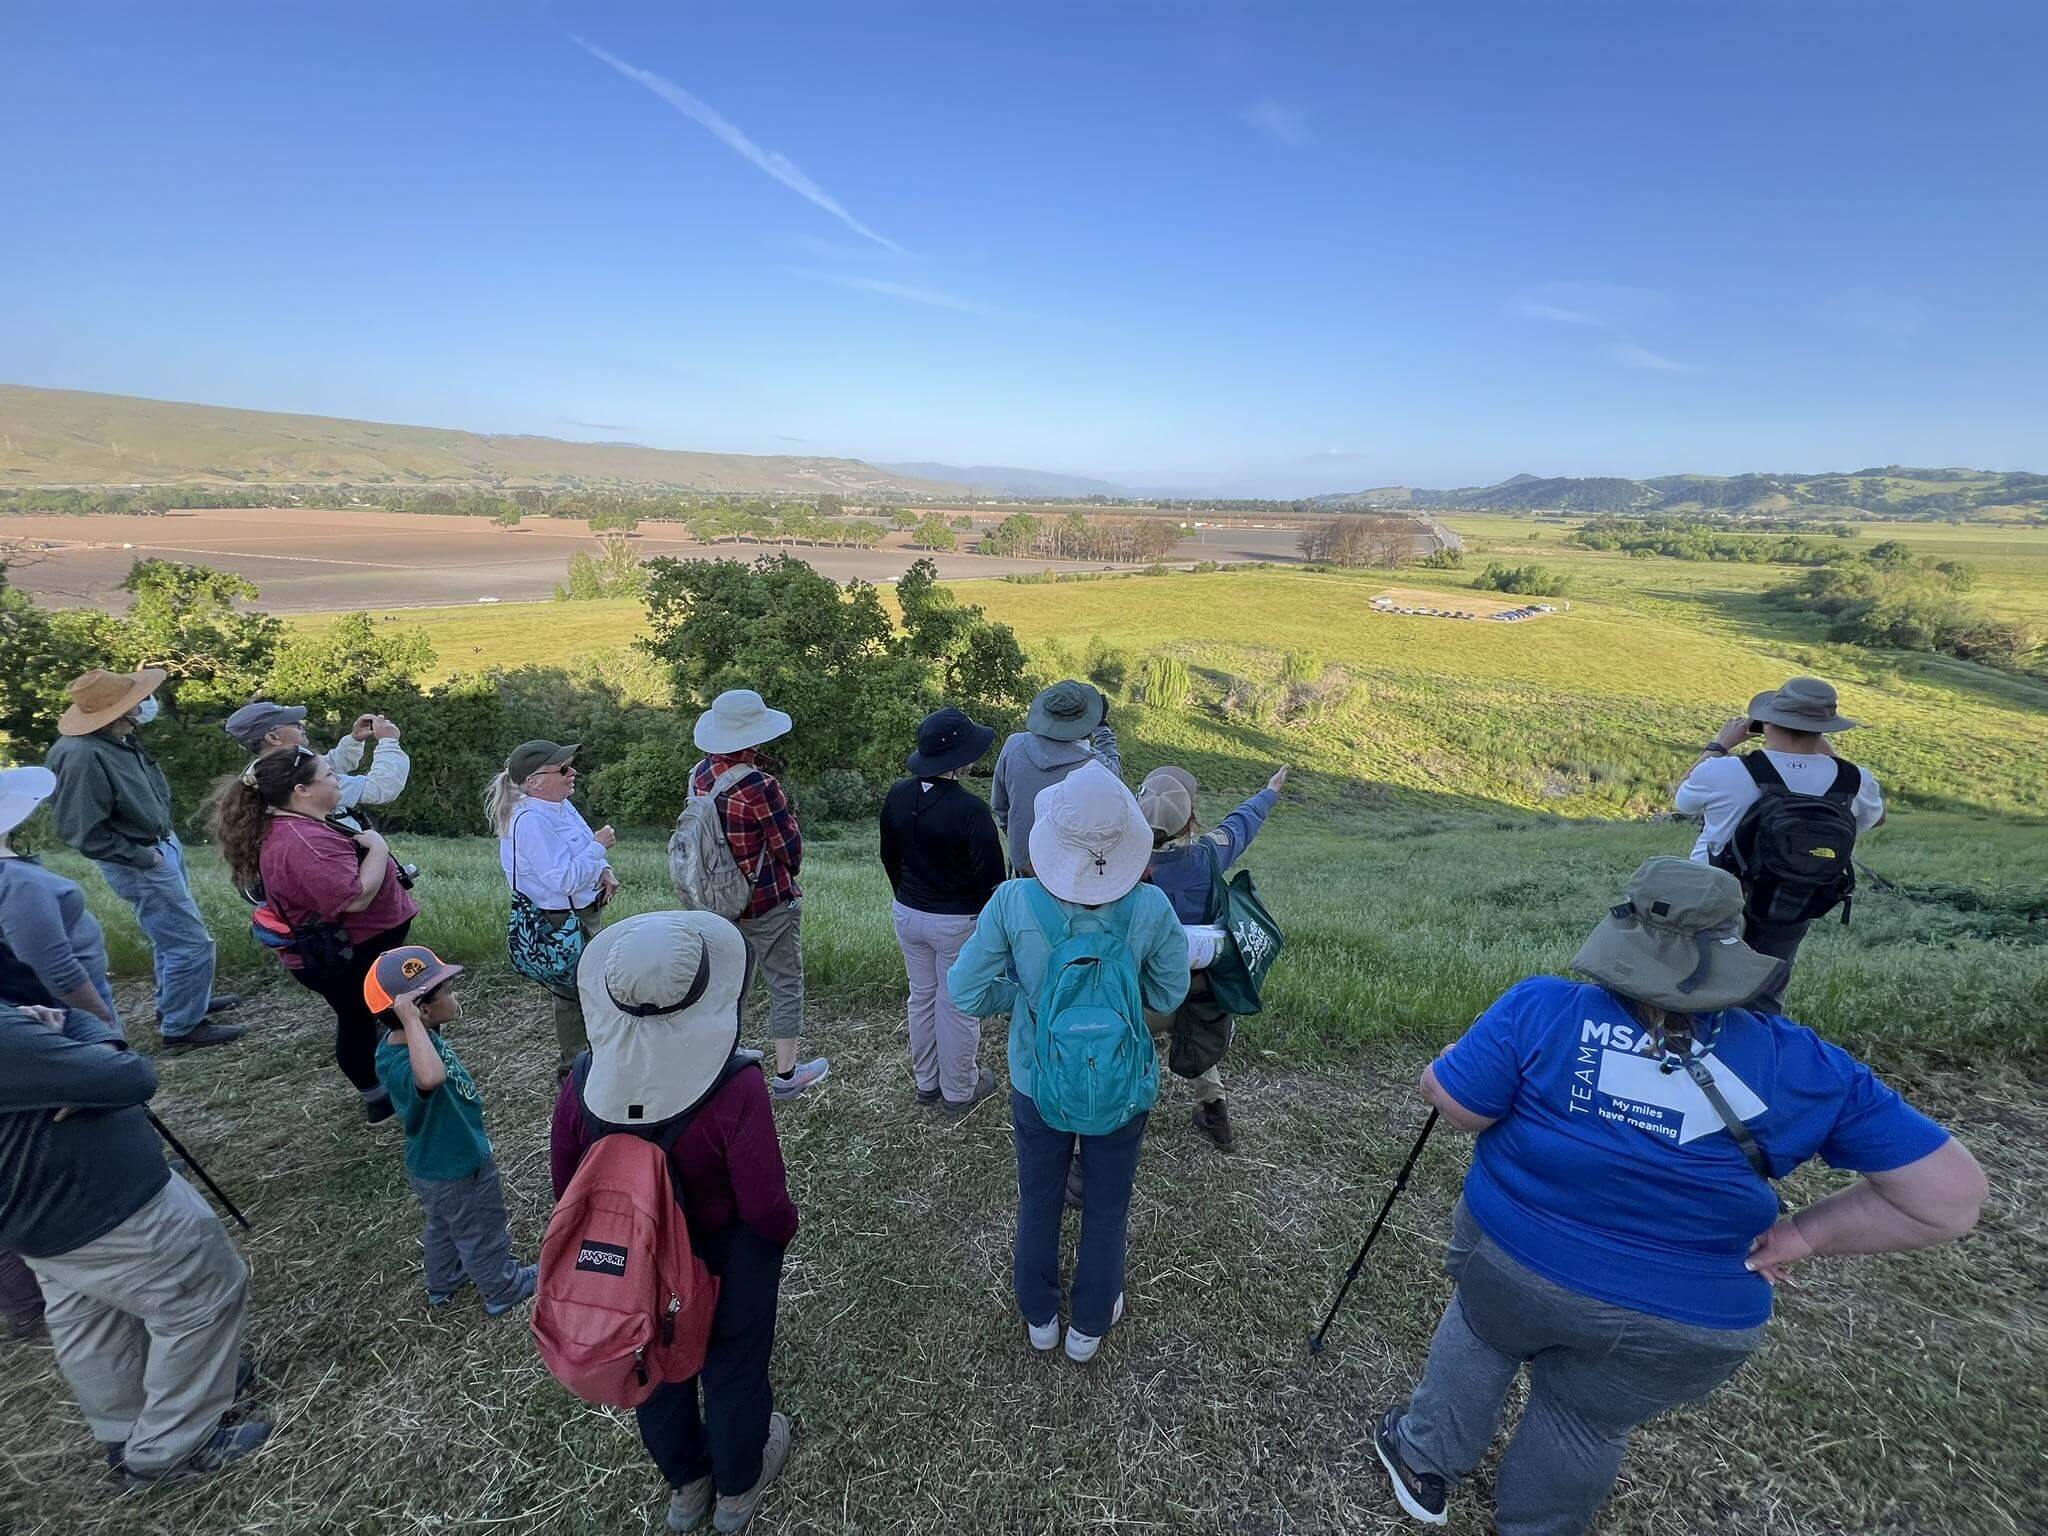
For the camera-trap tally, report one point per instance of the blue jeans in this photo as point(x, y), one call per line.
point(1109, 1167)
point(170, 919)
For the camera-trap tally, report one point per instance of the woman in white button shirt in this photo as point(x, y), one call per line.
point(552, 858)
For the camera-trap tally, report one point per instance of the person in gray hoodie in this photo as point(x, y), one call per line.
point(145, 1293)
point(1068, 726)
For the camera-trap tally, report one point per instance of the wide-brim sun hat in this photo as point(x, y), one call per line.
point(99, 698)
point(1089, 842)
point(737, 719)
point(1803, 704)
point(1066, 711)
point(21, 791)
point(948, 739)
point(660, 995)
point(1675, 941)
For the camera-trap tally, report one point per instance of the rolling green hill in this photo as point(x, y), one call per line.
point(68, 437)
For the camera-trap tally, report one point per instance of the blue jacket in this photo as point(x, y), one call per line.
point(1002, 968)
point(1182, 869)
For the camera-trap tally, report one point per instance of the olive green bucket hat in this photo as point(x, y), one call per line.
point(1676, 941)
point(1066, 711)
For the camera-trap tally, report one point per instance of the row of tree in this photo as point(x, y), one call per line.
point(1359, 541)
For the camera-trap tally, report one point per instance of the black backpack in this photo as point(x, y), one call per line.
point(1795, 854)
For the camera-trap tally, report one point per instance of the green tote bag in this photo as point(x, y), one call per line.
point(1253, 940)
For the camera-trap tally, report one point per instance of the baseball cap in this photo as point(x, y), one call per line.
point(409, 968)
point(530, 756)
point(252, 722)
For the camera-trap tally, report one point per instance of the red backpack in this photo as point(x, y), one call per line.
point(624, 1303)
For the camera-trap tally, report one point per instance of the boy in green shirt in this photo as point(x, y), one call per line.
point(448, 1158)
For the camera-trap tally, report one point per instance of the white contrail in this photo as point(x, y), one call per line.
point(777, 165)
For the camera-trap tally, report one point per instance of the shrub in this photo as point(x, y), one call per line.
point(1107, 666)
point(1163, 682)
point(1300, 667)
point(1523, 580)
point(841, 794)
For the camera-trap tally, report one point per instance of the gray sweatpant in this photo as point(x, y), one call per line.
point(147, 1321)
point(776, 950)
point(945, 1044)
point(466, 1234)
point(1596, 1371)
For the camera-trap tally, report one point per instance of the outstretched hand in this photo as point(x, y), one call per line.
point(1279, 780)
point(1777, 1250)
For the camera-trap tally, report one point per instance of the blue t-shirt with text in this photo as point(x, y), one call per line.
point(1619, 1180)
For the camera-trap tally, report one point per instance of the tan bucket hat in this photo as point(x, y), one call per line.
point(99, 698)
point(1675, 941)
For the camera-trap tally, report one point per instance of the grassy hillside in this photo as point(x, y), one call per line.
point(69, 437)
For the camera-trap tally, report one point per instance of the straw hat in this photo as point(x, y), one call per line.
point(21, 791)
point(1803, 704)
point(1676, 941)
point(100, 698)
point(737, 719)
point(660, 995)
point(1089, 843)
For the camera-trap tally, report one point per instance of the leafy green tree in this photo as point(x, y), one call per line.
point(349, 659)
point(1015, 536)
point(510, 517)
point(933, 532)
point(903, 519)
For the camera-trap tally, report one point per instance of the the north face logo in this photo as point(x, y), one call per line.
point(601, 1258)
point(1823, 853)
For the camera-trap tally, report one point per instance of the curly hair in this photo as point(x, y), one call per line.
point(241, 805)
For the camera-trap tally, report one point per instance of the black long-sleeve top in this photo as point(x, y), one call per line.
point(940, 847)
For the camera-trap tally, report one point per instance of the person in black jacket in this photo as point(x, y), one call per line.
point(145, 1292)
point(945, 859)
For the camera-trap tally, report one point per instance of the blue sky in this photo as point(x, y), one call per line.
point(1260, 248)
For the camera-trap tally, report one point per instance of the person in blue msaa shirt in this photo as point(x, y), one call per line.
point(1619, 1233)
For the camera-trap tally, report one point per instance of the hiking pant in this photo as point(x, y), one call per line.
point(777, 954)
point(1596, 1371)
point(356, 1031)
point(724, 1437)
point(1208, 1083)
point(1780, 941)
point(945, 1044)
point(466, 1234)
point(162, 899)
point(21, 1299)
point(1109, 1167)
point(571, 1039)
point(147, 1322)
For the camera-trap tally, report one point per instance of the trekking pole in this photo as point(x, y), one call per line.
point(192, 1162)
point(1315, 1342)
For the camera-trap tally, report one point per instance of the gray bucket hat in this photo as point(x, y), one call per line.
point(1676, 941)
point(1803, 704)
point(1067, 711)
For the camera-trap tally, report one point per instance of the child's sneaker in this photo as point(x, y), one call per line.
point(1081, 1347)
point(522, 1292)
point(689, 1506)
point(442, 1298)
point(734, 1514)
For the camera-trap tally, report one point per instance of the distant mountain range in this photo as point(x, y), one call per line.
point(69, 437)
point(1002, 480)
point(1893, 491)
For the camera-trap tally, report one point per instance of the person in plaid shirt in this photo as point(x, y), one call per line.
point(768, 846)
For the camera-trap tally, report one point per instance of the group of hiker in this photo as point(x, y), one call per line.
point(1618, 1234)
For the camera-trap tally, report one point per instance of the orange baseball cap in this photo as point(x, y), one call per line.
point(397, 972)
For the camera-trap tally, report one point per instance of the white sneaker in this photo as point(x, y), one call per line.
point(1081, 1347)
point(1044, 1336)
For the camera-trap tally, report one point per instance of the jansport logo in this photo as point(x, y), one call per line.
point(601, 1259)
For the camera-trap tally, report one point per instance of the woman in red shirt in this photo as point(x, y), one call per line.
point(660, 995)
point(272, 828)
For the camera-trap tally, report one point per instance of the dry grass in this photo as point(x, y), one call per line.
point(1895, 1395)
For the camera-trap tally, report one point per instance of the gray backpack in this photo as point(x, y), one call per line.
point(706, 876)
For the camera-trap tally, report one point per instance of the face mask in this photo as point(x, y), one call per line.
point(148, 710)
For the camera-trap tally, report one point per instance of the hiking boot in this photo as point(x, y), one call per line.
point(689, 1505)
point(1074, 1185)
point(806, 1075)
point(224, 1002)
point(523, 1285)
point(1213, 1121)
point(735, 1513)
point(205, 1034)
point(930, 1098)
point(116, 1451)
point(1422, 1494)
point(224, 1447)
point(1045, 1337)
point(1081, 1347)
point(984, 1085)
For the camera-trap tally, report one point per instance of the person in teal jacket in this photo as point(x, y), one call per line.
point(1089, 849)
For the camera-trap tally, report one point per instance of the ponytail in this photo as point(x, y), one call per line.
point(240, 805)
point(501, 799)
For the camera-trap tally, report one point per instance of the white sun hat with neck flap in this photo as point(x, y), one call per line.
point(660, 996)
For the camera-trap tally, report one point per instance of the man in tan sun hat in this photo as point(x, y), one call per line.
point(113, 805)
point(1783, 819)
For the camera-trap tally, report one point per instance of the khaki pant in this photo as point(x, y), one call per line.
point(571, 1039)
point(945, 1044)
point(1209, 1085)
point(147, 1322)
point(776, 951)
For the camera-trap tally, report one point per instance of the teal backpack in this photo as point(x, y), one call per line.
point(1094, 1068)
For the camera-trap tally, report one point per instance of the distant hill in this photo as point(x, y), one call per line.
point(1001, 480)
point(1893, 491)
point(68, 437)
